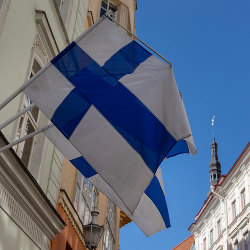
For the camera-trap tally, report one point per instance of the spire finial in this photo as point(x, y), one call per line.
point(213, 125)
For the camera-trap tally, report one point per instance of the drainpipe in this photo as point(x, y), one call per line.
point(217, 195)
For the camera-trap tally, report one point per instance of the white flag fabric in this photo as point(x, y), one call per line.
point(120, 109)
point(151, 214)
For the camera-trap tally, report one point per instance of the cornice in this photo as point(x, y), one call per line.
point(23, 200)
point(224, 183)
point(238, 219)
point(69, 209)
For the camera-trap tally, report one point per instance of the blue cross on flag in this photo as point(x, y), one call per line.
point(117, 114)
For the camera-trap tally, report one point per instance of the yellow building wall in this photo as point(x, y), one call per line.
point(68, 179)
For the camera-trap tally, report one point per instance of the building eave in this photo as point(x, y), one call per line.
point(124, 219)
point(220, 183)
point(23, 200)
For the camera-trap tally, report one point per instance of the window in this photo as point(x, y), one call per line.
point(106, 5)
point(243, 198)
point(233, 210)
point(109, 232)
point(211, 237)
point(28, 123)
point(85, 198)
point(219, 228)
point(246, 242)
point(204, 244)
point(236, 246)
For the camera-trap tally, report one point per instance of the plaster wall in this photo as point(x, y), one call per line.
point(16, 57)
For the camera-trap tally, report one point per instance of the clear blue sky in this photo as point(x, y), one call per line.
point(208, 42)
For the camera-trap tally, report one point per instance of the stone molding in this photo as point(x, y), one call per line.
point(3, 13)
point(72, 214)
point(23, 200)
point(44, 43)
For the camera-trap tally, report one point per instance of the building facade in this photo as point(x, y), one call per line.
point(41, 194)
point(223, 221)
point(78, 196)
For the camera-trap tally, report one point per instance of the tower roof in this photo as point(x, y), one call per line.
point(214, 166)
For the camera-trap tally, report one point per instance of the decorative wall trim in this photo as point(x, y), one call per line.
point(72, 214)
point(18, 214)
point(45, 44)
point(3, 13)
point(24, 201)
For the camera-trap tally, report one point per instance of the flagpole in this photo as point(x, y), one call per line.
point(10, 145)
point(19, 90)
point(13, 118)
point(108, 15)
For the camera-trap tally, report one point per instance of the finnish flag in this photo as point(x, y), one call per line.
point(118, 114)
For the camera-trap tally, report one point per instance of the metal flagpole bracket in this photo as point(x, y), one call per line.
point(10, 145)
point(107, 14)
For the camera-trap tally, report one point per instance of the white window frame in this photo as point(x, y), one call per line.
point(110, 227)
point(219, 227)
point(110, 5)
point(233, 205)
point(86, 197)
point(204, 243)
point(211, 236)
point(243, 198)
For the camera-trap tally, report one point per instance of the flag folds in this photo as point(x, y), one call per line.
point(118, 114)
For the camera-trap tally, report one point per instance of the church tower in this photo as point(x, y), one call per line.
point(214, 166)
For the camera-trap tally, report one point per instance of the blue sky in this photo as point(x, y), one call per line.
point(208, 42)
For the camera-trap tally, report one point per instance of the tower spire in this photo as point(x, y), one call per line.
point(214, 166)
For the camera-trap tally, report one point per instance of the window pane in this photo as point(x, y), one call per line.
point(76, 201)
point(243, 202)
point(35, 112)
point(85, 180)
point(103, 11)
point(233, 209)
point(79, 178)
point(104, 4)
point(81, 208)
point(86, 216)
point(211, 237)
point(90, 186)
point(28, 143)
point(219, 227)
point(112, 7)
